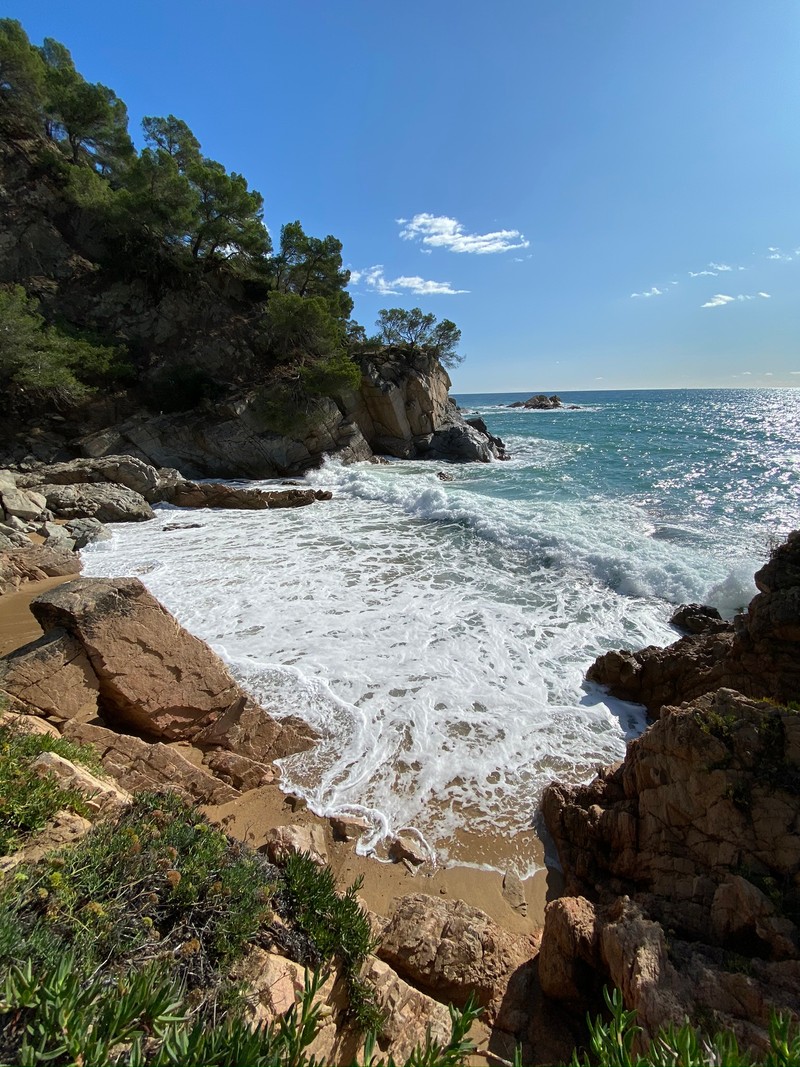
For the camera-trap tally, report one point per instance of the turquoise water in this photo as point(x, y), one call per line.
point(437, 633)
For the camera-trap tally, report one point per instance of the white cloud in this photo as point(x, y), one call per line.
point(768, 374)
point(794, 371)
point(702, 274)
point(718, 301)
point(439, 231)
point(650, 292)
point(374, 278)
point(720, 266)
point(745, 373)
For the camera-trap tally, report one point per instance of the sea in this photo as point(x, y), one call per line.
point(435, 622)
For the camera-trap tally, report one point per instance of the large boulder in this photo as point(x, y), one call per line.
point(105, 502)
point(22, 504)
point(152, 675)
point(133, 473)
point(452, 950)
point(219, 495)
point(32, 563)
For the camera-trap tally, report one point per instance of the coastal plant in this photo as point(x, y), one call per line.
point(28, 802)
point(613, 1042)
point(335, 924)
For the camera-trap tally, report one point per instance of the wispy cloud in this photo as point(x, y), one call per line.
point(440, 231)
point(720, 266)
point(721, 300)
point(779, 254)
point(703, 273)
point(374, 278)
point(650, 292)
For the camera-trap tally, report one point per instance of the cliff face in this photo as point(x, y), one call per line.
point(682, 863)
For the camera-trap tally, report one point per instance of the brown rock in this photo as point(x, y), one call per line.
point(569, 957)
point(244, 773)
point(99, 793)
point(249, 730)
point(221, 495)
point(407, 1014)
point(450, 950)
point(106, 502)
point(136, 765)
point(65, 828)
point(405, 847)
point(51, 676)
point(514, 892)
point(28, 724)
point(33, 563)
point(280, 841)
point(152, 674)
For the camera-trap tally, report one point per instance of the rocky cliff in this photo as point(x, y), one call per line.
point(682, 863)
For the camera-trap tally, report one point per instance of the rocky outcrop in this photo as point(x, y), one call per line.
point(758, 656)
point(539, 402)
point(106, 503)
point(110, 642)
point(218, 495)
point(128, 471)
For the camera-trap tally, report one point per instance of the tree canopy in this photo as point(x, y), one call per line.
point(416, 329)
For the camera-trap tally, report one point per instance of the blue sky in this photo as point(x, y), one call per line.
point(600, 193)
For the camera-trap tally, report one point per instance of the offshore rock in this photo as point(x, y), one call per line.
point(700, 619)
point(539, 402)
point(218, 495)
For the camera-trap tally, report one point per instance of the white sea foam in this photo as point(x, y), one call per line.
point(436, 636)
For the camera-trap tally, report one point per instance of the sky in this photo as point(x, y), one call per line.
point(601, 194)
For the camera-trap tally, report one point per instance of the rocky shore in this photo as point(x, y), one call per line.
point(681, 864)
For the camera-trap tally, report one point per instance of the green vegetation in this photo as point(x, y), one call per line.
point(415, 330)
point(27, 802)
point(150, 226)
point(611, 1044)
point(41, 364)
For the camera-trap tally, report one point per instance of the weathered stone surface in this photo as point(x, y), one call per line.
point(407, 1013)
point(33, 563)
point(28, 724)
point(347, 827)
point(86, 531)
point(514, 892)
point(699, 619)
point(106, 502)
point(127, 471)
point(569, 956)
point(152, 674)
point(741, 915)
point(280, 841)
point(249, 730)
point(244, 773)
point(450, 949)
point(136, 765)
point(51, 676)
point(759, 657)
point(407, 847)
point(219, 495)
point(56, 536)
point(99, 793)
point(18, 503)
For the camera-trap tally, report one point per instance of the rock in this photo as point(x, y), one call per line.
point(699, 619)
point(407, 1014)
point(274, 983)
point(57, 536)
point(244, 773)
point(152, 674)
point(33, 563)
point(514, 892)
point(280, 841)
point(569, 958)
point(450, 950)
point(28, 724)
point(100, 794)
point(13, 538)
point(498, 446)
point(22, 505)
point(742, 917)
point(759, 657)
point(406, 847)
point(64, 829)
point(51, 676)
point(128, 471)
point(459, 444)
point(443, 477)
point(249, 730)
point(86, 531)
point(137, 765)
point(220, 495)
point(539, 402)
point(106, 502)
point(347, 828)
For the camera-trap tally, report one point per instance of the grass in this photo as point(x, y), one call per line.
point(28, 802)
